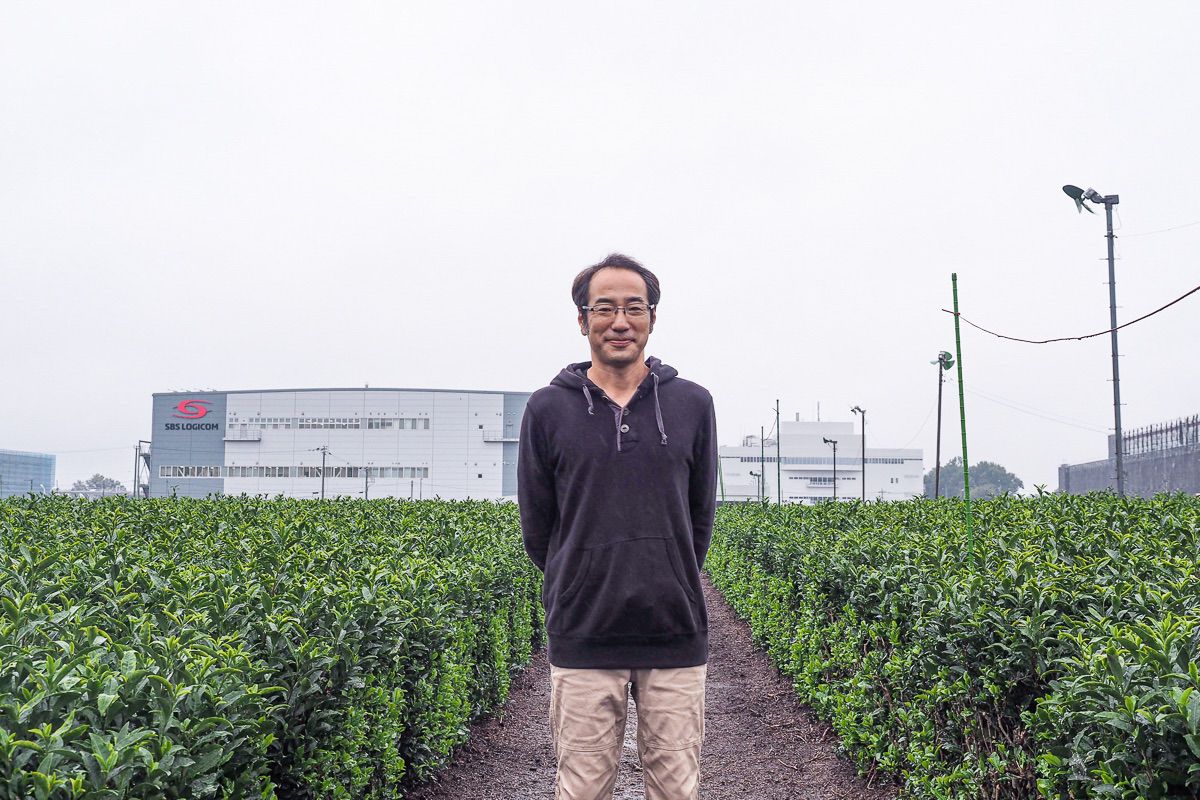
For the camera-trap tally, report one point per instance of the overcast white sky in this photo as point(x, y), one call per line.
point(272, 195)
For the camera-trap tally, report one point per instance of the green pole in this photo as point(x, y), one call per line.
point(721, 475)
point(962, 416)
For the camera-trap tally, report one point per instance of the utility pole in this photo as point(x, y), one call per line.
point(324, 450)
point(1118, 445)
point(834, 443)
point(411, 484)
point(1109, 200)
point(366, 482)
point(762, 460)
point(944, 362)
point(778, 458)
point(863, 413)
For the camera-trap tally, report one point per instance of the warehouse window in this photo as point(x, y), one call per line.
point(399, 423)
point(258, 471)
point(189, 471)
point(400, 472)
point(819, 460)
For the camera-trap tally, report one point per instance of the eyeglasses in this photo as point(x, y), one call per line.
point(608, 310)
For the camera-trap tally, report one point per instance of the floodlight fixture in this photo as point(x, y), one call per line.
point(945, 359)
point(1079, 195)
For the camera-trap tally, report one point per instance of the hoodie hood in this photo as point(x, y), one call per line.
point(574, 377)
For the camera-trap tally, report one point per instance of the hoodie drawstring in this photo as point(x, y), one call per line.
point(658, 409)
point(588, 395)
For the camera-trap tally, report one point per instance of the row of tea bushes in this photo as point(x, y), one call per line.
point(1061, 662)
point(244, 647)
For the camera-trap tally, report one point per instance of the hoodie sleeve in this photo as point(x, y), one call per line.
point(535, 491)
point(702, 492)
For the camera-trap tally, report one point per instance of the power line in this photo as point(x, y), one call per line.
point(1164, 230)
point(1075, 338)
point(923, 422)
point(1028, 410)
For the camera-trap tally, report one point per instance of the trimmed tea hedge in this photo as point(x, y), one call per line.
point(243, 647)
point(1064, 663)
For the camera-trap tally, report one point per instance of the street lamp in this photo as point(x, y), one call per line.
point(1109, 200)
point(757, 483)
point(863, 412)
point(834, 443)
point(944, 361)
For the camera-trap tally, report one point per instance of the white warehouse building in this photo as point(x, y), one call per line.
point(805, 467)
point(418, 443)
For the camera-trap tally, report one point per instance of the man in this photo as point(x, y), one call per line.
point(617, 487)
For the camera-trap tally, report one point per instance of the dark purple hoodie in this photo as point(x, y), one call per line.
point(617, 510)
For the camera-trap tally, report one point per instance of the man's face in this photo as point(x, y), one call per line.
point(618, 341)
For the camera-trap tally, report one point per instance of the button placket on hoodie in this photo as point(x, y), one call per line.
point(619, 414)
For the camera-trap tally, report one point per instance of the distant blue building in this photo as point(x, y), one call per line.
point(21, 473)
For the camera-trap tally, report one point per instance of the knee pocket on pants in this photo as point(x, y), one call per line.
point(587, 748)
point(651, 742)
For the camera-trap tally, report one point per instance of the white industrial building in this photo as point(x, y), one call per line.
point(804, 464)
point(419, 443)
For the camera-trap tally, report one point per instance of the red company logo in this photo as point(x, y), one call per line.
point(192, 409)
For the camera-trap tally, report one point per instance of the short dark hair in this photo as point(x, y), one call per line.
point(583, 281)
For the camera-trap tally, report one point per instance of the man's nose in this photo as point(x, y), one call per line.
point(620, 320)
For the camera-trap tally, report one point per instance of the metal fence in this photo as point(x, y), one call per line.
point(1167, 436)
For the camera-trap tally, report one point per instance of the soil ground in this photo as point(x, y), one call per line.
point(760, 742)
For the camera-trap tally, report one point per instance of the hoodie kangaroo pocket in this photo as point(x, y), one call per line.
point(628, 590)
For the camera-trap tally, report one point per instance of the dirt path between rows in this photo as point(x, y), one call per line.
point(760, 742)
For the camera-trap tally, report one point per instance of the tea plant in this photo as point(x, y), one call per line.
point(1062, 664)
point(244, 647)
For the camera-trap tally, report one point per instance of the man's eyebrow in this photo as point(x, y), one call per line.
point(629, 299)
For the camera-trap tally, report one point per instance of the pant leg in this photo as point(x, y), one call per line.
point(670, 707)
point(587, 723)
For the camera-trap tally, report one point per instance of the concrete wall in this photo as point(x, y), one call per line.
point(1174, 470)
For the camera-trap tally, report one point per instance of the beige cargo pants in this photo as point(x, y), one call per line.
point(587, 722)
